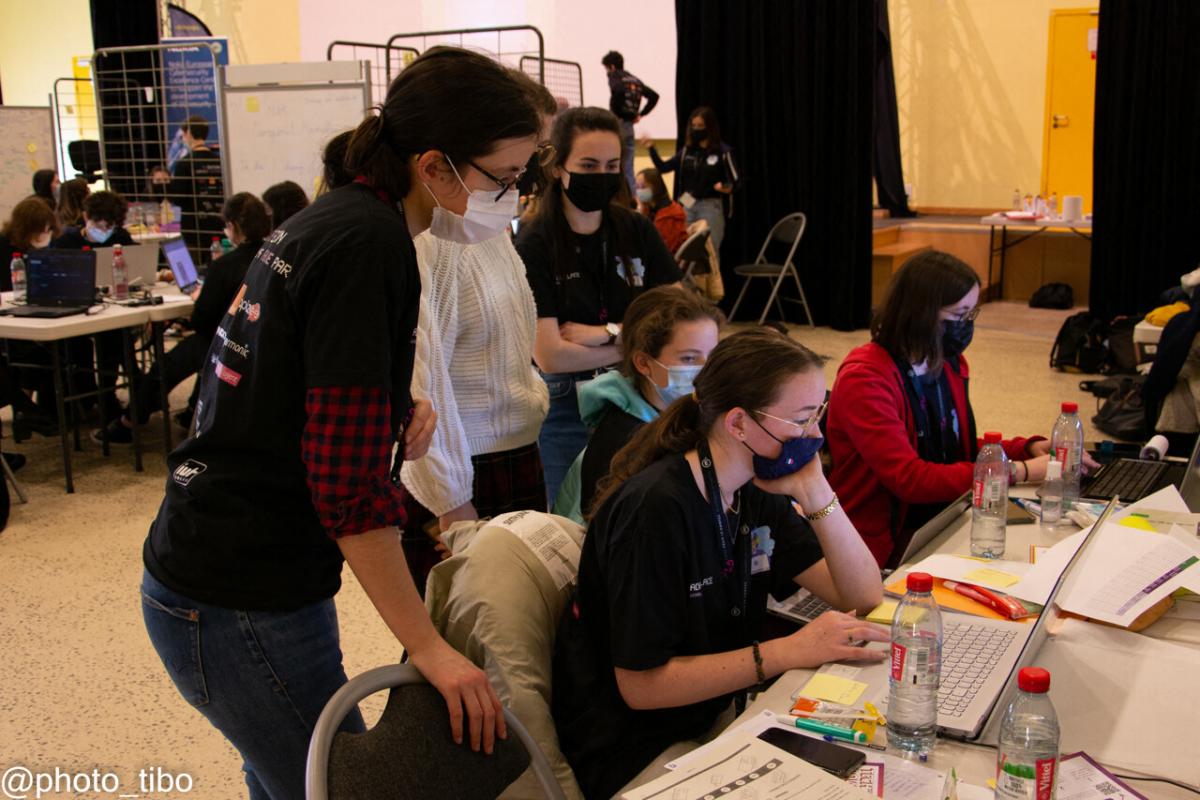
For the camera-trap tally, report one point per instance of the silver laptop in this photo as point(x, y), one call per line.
point(980, 658)
point(141, 261)
point(804, 606)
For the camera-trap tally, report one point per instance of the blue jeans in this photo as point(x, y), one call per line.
point(563, 435)
point(627, 154)
point(712, 211)
point(260, 677)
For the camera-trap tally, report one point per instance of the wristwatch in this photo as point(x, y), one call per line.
point(614, 330)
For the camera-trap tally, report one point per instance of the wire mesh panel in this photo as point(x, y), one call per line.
point(75, 121)
point(160, 125)
point(378, 55)
point(564, 79)
point(506, 45)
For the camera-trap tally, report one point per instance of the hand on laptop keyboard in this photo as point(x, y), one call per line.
point(829, 638)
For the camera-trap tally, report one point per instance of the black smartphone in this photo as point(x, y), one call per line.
point(835, 759)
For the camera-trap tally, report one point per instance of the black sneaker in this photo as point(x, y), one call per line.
point(117, 432)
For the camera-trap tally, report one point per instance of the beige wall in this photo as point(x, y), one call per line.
point(259, 31)
point(37, 41)
point(971, 86)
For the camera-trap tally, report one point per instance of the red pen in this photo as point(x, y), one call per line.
point(1004, 606)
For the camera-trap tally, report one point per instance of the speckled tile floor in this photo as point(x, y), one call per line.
point(80, 685)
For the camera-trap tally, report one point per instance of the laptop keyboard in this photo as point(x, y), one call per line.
point(1127, 478)
point(969, 653)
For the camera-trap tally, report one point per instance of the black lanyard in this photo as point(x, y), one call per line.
point(727, 533)
point(931, 429)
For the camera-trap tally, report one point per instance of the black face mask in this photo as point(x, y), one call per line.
point(956, 336)
point(528, 183)
point(593, 191)
point(696, 136)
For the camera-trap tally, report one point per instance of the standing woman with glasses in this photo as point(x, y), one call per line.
point(901, 431)
point(695, 526)
point(289, 470)
point(474, 364)
point(587, 255)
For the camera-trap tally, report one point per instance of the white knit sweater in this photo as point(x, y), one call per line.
point(473, 362)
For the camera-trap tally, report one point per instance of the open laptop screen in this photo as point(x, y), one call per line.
point(61, 278)
point(1190, 488)
point(181, 263)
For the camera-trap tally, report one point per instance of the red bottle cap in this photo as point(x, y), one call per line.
point(920, 582)
point(1070, 408)
point(16, 255)
point(1033, 679)
point(217, 239)
point(992, 437)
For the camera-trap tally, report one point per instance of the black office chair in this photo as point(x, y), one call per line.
point(85, 158)
point(787, 231)
point(692, 256)
point(409, 752)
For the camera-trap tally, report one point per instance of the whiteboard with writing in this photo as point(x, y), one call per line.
point(26, 145)
point(277, 133)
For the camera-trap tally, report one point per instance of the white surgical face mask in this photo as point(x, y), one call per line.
point(679, 381)
point(485, 217)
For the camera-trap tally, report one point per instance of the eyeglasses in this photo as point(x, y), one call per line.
point(804, 426)
point(545, 154)
point(504, 185)
point(966, 316)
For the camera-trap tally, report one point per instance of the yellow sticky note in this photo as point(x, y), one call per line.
point(884, 612)
point(31, 147)
point(1138, 523)
point(251, 104)
point(991, 577)
point(833, 688)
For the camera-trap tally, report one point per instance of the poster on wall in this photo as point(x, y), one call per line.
point(190, 86)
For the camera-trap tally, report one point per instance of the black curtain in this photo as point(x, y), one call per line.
point(791, 83)
point(889, 177)
point(1147, 152)
point(126, 87)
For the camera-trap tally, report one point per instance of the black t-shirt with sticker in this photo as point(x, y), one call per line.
point(330, 300)
point(594, 290)
point(652, 587)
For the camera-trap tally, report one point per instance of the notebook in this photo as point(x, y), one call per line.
point(980, 659)
point(59, 283)
point(141, 265)
point(181, 263)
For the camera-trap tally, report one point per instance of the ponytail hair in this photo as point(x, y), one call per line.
point(746, 370)
point(451, 100)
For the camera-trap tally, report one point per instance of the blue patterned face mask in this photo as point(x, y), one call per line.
point(97, 235)
point(793, 455)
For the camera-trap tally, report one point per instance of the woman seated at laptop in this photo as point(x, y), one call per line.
point(30, 227)
point(247, 223)
point(902, 434)
point(695, 526)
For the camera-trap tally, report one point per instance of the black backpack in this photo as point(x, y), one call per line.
point(1053, 295)
point(1122, 414)
point(1081, 344)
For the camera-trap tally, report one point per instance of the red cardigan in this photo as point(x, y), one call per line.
point(872, 437)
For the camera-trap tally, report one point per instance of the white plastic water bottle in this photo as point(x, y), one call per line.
point(17, 269)
point(1066, 447)
point(916, 669)
point(120, 278)
point(1052, 495)
point(1027, 760)
point(215, 250)
point(1016, 200)
point(989, 512)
